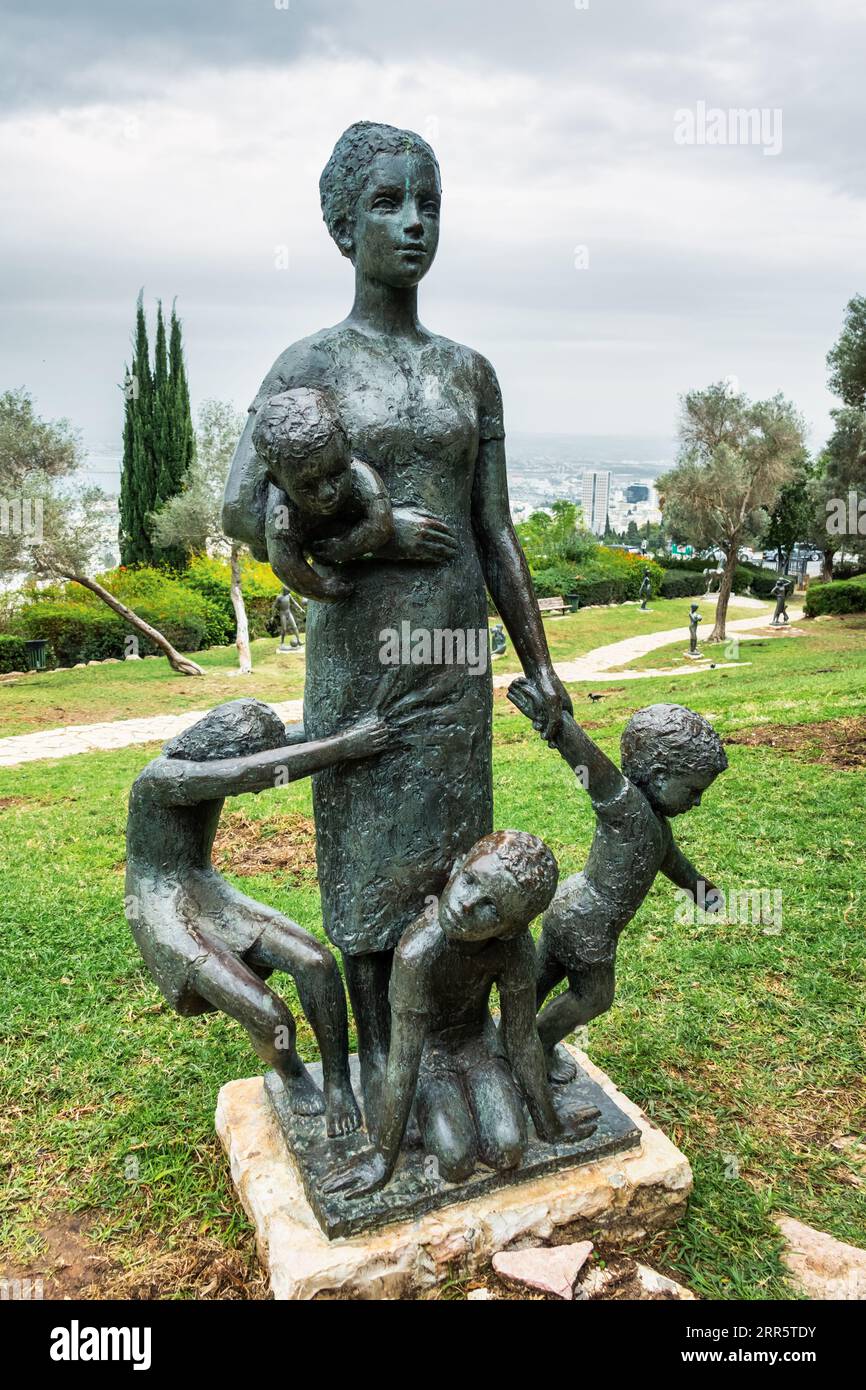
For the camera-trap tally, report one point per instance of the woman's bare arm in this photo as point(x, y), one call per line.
point(506, 574)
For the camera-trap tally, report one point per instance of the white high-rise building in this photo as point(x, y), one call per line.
point(596, 500)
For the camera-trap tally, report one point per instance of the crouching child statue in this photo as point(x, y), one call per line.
point(208, 946)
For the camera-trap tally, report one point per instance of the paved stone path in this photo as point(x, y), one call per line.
point(122, 733)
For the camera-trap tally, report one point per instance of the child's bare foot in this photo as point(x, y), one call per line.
point(561, 1068)
point(341, 1110)
point(305, 1098)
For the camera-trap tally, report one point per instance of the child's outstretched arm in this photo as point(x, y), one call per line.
point(526, 1056)
point(683, 873)
point(601, 777)
point(183, 783)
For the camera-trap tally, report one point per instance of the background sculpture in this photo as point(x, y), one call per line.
point(284, 609)
point(780, 592)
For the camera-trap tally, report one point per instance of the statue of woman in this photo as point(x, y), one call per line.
point(426, 413)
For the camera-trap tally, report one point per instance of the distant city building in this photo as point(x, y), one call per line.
point(637, 492)
point(595, 500)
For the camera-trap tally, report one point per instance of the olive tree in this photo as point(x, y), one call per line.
point(735, 457)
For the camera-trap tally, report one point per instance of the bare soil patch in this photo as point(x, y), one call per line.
point(837, 743)
point(281, 844)
point(72, 1266)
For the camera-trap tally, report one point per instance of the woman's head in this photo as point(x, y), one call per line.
point(380, 193)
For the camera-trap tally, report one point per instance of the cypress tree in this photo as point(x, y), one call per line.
point(137, 479)
point(173, 421)
point(158, 438)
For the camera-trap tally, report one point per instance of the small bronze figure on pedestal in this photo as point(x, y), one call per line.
point(780, 592)
point(694, 624)
point(284, 609)
point(645, 589)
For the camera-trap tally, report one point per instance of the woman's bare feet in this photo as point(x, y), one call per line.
point(341, 1110)
point(561, 1068)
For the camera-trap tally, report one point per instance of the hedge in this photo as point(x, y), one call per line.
point(688, 584)
point(13, 654)
point(92, 632)
point(840, 596)
point(609, 576)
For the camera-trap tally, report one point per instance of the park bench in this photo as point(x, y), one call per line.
point(553, 607)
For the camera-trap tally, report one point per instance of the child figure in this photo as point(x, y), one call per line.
point(670, 756)
point(471, 1082)
point(319, 495)
point(694, 624)
point(209, 946)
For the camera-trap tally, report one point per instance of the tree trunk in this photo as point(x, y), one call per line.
point(827, 565)
point(725, 587)
point(245, 661)
point(178, 663)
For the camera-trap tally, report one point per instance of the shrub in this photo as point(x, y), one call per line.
point(13, 654)
point(80, 627)
point(839, 596)
point(211, 577)
point(75, 631)
point(687, 584)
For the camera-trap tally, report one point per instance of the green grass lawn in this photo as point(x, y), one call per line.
point(135, 689)
point(746, 1045)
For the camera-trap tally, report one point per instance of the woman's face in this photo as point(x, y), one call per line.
point(396, 229)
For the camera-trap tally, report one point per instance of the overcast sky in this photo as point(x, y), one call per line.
point(176, 145)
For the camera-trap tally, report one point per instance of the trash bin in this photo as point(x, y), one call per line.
point(36, 651)
point(573, 601)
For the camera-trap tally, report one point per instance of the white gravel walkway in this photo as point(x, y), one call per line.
point(122, 733)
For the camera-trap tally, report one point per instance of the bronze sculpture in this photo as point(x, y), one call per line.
point(645, 589)
point(284, 607)
point(780, 592)
point(210, 947)
point(670, 756)
point(372, 474)
point(694, 624)
point(426, 414)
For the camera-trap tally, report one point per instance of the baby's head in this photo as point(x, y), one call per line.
point(300, 437)
point(503, 883)
point(672, 755)
point(232, 730)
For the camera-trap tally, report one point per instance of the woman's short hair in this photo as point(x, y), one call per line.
point(345, 172)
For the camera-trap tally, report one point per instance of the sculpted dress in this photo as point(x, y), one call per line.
point(389, 828)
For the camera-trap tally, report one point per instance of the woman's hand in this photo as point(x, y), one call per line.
point(420, 536)
point(367, 1172)
point(542, 699)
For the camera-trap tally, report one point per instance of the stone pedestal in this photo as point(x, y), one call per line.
point(629, 1194)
